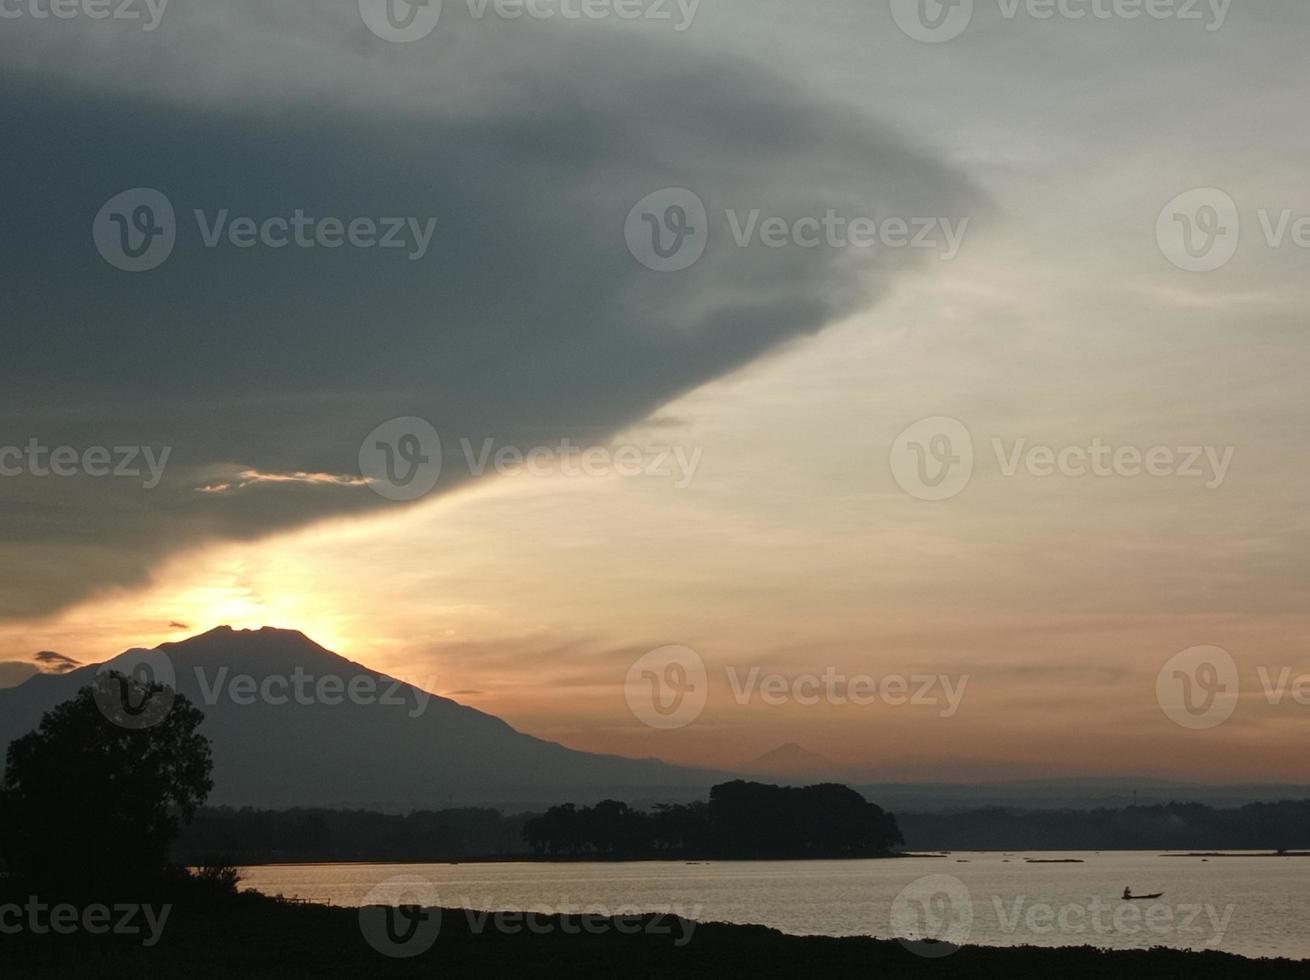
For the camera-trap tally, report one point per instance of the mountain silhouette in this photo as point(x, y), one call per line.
point(392, 746)
point(790, 761)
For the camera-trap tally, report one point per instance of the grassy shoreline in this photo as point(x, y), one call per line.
point(256, 936)
point(598, 859)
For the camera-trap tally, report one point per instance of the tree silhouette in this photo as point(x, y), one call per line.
point(90, 806)
point(741, 820)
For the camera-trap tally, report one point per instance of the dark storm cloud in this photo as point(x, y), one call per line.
point(55, 663)
point(15, 672)
point(526, 321)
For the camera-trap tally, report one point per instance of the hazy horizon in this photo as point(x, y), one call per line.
point(778, 478)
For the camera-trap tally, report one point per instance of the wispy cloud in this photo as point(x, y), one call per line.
point(250, 478)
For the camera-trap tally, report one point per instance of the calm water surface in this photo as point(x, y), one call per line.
point(1253, 906)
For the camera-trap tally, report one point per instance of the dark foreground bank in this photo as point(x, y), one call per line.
point(263, 938)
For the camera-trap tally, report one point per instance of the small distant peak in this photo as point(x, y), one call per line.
point(791, 759)
point(790, 750)
point(265, 631)
point(282, 631)
point(264, 648)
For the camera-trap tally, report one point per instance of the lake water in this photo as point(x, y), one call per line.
point(1249, 905)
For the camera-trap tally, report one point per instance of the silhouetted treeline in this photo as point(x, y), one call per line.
point(248, 836)
point(1172, 827)
point(741, 820)
point(757, 821)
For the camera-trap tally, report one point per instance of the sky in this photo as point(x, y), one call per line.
point(1111, 271)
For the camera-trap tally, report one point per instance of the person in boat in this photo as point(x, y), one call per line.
point(1128, 894)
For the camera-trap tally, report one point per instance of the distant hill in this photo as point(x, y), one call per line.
point(790, 762)
point(1195, 827)
point(420, 751)
point(1068, 794)
point(378, 756)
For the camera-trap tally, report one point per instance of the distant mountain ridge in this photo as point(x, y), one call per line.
point(791, 761)
point(377, 756)
point(287, 731)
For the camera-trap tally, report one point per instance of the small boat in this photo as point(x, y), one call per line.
point(1142, 898)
